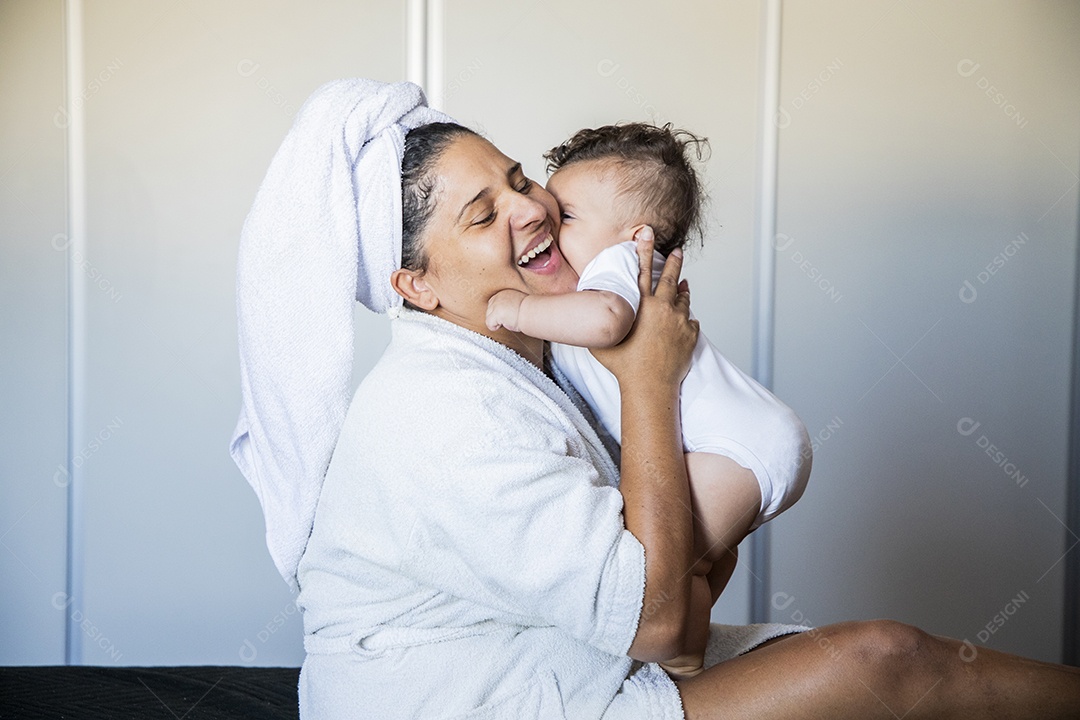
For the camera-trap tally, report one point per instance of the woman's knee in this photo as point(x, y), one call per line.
point(884, 648)
point(896, 658)
point(891, 641)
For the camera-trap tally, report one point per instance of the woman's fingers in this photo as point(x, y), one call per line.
point(669, 277)
point(682, 299)
point(646, 241)
point(668, 286)
point(661, 343)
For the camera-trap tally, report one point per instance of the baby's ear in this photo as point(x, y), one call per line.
point(632, 233)
point(411, 286)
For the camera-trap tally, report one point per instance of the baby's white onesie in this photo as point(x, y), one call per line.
point(724, 411)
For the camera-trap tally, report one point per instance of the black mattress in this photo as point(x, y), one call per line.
point(171, 693)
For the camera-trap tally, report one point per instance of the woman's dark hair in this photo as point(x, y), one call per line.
point(424, 146)
point(657, 173)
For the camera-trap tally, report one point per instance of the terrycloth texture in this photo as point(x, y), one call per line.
point(325, 228)
point(469, 556)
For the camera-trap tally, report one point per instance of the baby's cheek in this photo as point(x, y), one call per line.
point(572, 251)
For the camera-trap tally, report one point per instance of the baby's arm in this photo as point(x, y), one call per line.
point(589, 318)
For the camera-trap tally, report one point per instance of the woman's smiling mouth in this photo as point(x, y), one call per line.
point(541, 247)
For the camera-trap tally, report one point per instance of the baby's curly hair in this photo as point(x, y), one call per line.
point(658, 173)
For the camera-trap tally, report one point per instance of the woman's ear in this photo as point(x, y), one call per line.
point(410, 285)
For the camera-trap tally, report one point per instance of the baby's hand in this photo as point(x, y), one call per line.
point(503, 310)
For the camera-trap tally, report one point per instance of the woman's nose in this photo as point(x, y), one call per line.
point(527, 213)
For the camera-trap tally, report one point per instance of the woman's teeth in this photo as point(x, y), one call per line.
point(524, 259)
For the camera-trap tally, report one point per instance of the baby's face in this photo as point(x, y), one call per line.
point(588, 197)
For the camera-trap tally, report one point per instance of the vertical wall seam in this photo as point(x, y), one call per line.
point(1071, 624)
point(434, 53)
point(765, 265)
point(416, 42)
point(75, 158)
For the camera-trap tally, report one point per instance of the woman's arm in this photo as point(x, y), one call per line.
point(650, 366)
point(589, 318)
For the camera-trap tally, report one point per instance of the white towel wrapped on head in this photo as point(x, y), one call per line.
point(325, 228)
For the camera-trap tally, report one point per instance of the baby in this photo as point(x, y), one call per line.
point(747, 454)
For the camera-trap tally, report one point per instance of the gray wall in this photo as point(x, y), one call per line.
point(33, 282)
point(900, 179)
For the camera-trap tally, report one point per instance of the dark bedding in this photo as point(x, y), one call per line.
point(191, 693)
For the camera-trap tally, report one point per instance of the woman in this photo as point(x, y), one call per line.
point(472, 557)
point(484, 562)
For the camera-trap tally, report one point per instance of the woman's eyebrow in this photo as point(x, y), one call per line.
point(479, 196)
point(514, 169)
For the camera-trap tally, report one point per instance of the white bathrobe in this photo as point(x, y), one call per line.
point(469, 557)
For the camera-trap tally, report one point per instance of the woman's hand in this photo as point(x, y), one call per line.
point(661, 342)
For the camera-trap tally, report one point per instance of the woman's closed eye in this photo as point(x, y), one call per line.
point(524, 187)
point(487, 219)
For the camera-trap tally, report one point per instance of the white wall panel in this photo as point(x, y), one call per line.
point(902, 179)
point(34, 263)
point(194, 99)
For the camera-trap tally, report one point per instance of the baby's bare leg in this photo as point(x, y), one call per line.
point(721, 572)
point(725, 499)
point(692, 660)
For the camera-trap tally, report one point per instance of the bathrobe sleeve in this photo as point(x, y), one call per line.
point(514, 517)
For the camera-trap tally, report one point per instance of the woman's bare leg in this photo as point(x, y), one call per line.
point(879, 669)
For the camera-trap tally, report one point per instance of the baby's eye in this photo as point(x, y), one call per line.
point(566, 216)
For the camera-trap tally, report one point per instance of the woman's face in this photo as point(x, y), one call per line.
point(489, 217)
